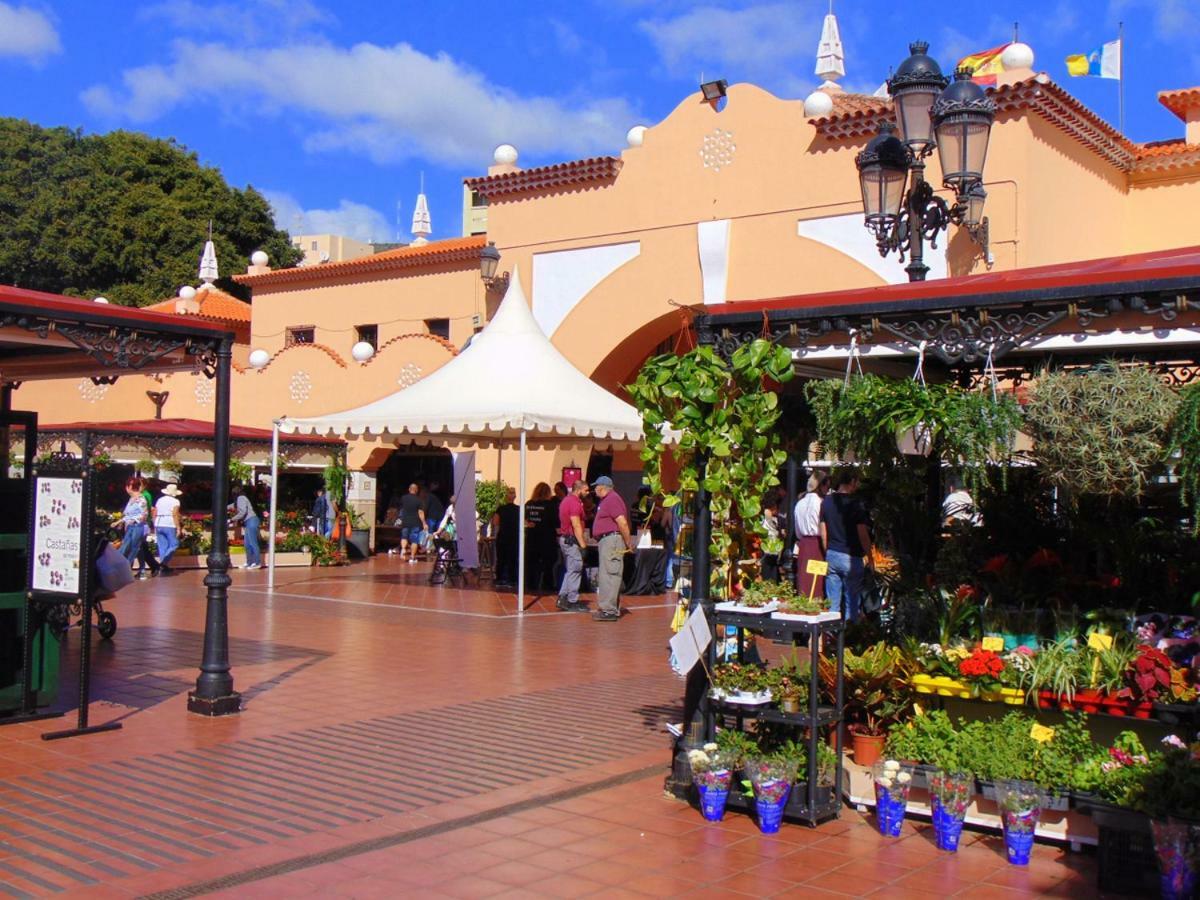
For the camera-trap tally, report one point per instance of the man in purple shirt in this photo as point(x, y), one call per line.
point(611, 529)
point(571, 542)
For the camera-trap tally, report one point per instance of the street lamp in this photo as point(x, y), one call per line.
point(489, 262)
point(957, 120)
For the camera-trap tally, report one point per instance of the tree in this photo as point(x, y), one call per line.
point(121, 214)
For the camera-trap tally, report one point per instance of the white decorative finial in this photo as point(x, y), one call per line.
point(421, 226)
point(830, 56)
point(208, 261)
point(635, 136)
point(505, 155)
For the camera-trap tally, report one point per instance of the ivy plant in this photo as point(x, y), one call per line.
point(718, 417)
point(1185, 445)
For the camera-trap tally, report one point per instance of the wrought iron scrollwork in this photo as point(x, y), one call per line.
point(117, 349)
point(967, 339)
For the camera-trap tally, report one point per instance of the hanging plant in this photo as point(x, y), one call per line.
point(1101, 431)
point(335, 475)
point(240, 472)
point(864, 416)
point(147, 468)
point(724, 413)
point(1184, 442)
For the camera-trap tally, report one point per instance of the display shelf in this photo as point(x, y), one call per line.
point(826, 714)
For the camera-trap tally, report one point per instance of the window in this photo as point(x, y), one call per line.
point(315, 246)
point(301, 334)
point(439, 328)
point(368, 334)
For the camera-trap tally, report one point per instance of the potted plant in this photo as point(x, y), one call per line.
point(146, 467)
point(876, 695)
point(803, 608)
point(949, 796)
point(771, 778)
point(1020, 809)
point(790, 693)
point(240, 472)
point(170, 471)
point(1169, 793)
point(757, 598)
point(741, 683)
point(1054, 674)
point(712, 773)
point(982, 670)
point(892, 782)
point(1147, 679)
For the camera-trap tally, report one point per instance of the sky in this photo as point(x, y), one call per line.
point(335, 110)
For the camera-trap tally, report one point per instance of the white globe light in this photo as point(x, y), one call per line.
point(362, 351)
point(818, 104)
point(259, 258)
point(505, 155)
point(100, 300)
point(636, 136)
point(1017, 56)
point(187, 292)
point(259, 358)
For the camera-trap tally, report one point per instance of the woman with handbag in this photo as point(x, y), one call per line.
point(133, 522)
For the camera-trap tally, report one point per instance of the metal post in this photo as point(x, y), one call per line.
point(214, 694)
point(274, 505)
point(521, 533)
point(918, 201)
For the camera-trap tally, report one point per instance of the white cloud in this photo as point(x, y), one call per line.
point(350, 219)
point(388, 103)
point(26, 33)
point(775, 43)
point(248, 20)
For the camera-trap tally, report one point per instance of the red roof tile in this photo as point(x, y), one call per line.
point(1180, 101)
point(1157, 156)
point(215, 304)
point(576, 174)
point(464, 249)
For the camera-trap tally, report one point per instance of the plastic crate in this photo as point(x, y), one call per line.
point(1126, 863)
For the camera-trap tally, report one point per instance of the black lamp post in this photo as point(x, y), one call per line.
point(957, 120)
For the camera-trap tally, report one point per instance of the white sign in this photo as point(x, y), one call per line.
point(362, 487)
point(57, 535)
point(688, 645)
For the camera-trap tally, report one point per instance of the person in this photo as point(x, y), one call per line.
point(670, 521)
point(322, 521)
point(134, 520)
point(770, 522)
point(243, 513)
point(959, 506)
point(505, 522)
point(808, 534)
point(435, 511)
point(146, 553)
point(541, 545)
point(845, 540)
point(571, 542)
point(611, 531)
point(167, 526)
point(412, 523)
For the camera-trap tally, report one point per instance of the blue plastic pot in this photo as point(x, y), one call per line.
point(1019, 844)
point(712, 802)
point(947, 827)
point(770, 814)
point(889, 811)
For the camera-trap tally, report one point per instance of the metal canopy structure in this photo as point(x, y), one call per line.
point(45, 336)
point(963, 320)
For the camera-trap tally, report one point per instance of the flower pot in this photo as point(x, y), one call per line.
point(789, 704)
point(769, 800)
point(892, 782)
point(940, 684)
point(712, 802)
point(1008, 695)
point(947, 827)
point(1175, 846)
point(867, 747)
point(1021, 805)
point(1088, 700)
point(1118, 706)
point(949, 796)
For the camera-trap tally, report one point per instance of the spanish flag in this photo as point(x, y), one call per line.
point(984, 65)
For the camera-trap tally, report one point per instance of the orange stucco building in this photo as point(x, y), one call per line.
point(759, 199)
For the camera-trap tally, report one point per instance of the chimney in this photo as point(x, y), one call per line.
point(1185, 103)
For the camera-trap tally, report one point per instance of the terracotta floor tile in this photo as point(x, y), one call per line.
point(565, 886)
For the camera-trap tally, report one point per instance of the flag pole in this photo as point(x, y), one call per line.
point(1121, 77)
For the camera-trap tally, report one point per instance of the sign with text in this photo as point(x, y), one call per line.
point(817, 567)
point(57, 535)
point(993, 643)
point(1098, 641)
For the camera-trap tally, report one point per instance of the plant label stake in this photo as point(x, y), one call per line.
point(816, 568)
point(1098, 642)
point(993, 643)
point(1041, 733)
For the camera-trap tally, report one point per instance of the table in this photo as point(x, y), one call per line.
point(645, 570)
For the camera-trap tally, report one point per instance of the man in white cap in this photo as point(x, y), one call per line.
point(611, 530)
point(166, 526)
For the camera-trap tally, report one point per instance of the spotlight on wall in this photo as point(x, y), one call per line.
point(713, 91)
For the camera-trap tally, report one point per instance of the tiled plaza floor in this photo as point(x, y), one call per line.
point(402, 740)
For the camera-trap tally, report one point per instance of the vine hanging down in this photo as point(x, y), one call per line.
point(724, 414)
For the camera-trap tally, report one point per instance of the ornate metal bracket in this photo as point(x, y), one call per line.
point(966, 339)
point(114, 349)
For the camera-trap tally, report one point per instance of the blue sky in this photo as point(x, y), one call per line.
point(334, 109)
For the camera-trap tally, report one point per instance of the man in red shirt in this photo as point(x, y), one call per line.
point(571, 542)
point(611, 530)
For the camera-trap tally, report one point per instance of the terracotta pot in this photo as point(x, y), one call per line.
point(867, 747)
point(1089, 700)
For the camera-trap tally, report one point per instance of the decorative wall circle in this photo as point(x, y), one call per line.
point(717, 149)
point(300, 386)
point(92, 392)
point(409, 375)
point(204, 390)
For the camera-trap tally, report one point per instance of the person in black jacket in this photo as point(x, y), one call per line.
point(507, 521)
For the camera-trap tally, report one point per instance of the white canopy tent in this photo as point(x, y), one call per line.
point(510, 385)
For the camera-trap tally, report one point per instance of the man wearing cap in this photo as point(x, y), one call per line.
point(611, 530)
point(571, 542)
point(166, 526)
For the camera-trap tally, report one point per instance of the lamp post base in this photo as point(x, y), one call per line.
point(214, 706)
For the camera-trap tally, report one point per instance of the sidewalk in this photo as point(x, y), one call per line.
point(398, 740)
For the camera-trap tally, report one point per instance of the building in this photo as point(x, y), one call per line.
point(752, 198)
point(324, 248)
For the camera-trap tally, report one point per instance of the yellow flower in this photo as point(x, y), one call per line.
point(955, 653)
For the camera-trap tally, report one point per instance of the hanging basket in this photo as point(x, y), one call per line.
point(916, 441)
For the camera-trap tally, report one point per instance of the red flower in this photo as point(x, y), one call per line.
point(981, 664)
point(995, 564)
point(966, 592)
point(1042, 559)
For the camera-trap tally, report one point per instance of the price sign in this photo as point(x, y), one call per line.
point(817, 567)
point(1098, 641)
point(1041, 733)
point(993, 643)
point(57, 535)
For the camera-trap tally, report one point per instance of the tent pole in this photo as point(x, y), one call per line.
point(521, 535)
point(274, 504)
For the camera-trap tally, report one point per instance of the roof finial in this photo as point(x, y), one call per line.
point(208, 260)
point(421, 227)
point(830, 56)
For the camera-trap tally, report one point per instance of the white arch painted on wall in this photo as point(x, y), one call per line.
point(847, 235)
point(562, 278)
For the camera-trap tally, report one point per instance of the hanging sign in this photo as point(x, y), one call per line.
point(570, 475)
point(58, 536)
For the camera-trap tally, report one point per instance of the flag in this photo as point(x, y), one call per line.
point(984, 65)
point(1104, 62)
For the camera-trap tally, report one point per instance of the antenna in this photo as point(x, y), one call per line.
point(1016, 31)
point(399, 221)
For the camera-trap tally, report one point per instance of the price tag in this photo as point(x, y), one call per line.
point(993, 643)
point(1098, 641)
point(918, 709)
point(1041, 733)
point(817, 567)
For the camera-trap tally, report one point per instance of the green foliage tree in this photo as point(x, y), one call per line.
point(724, 413)
point(120, 214)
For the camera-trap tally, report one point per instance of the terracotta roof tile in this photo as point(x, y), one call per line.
point(215, 305)
point(1157, 156)
point(451, 250)
point(578, 173)
point(845, 104)
point(1180, 101)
